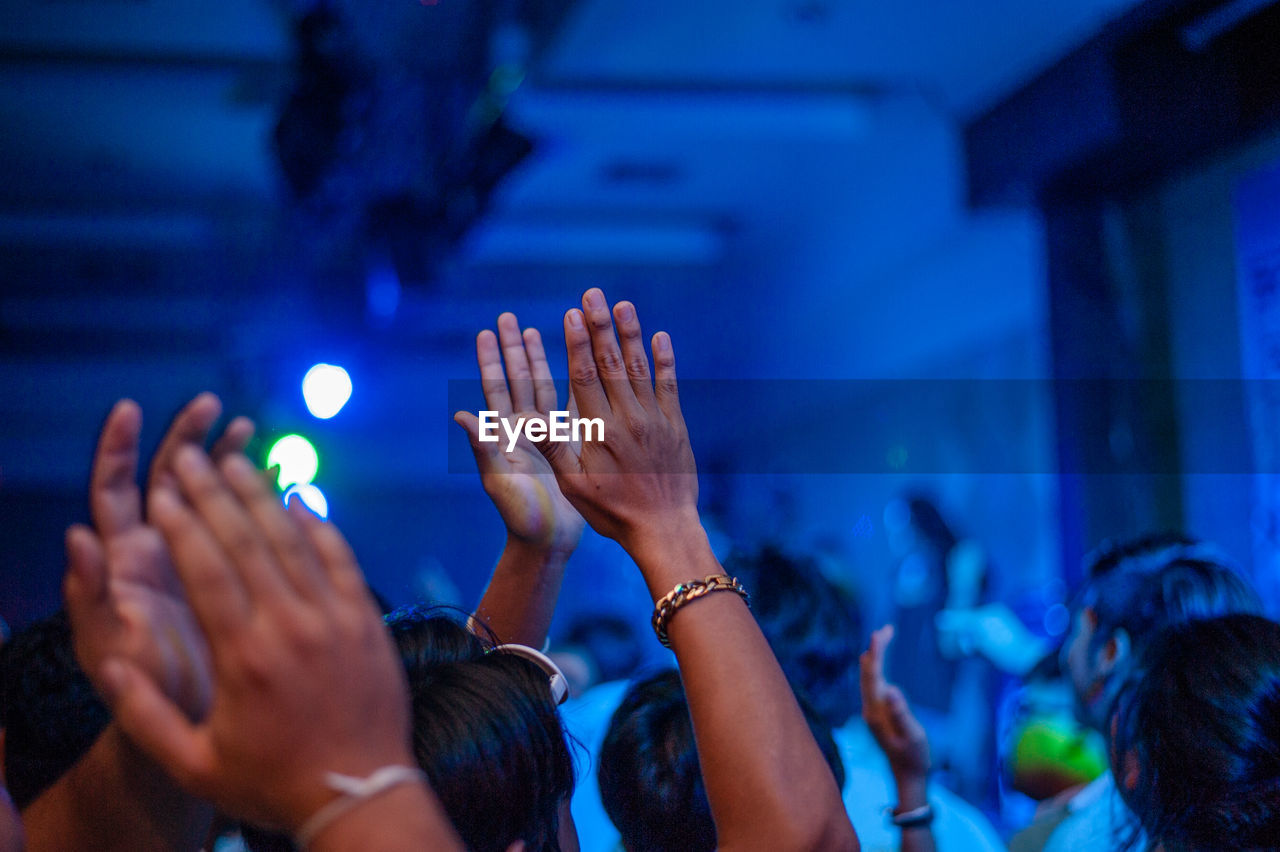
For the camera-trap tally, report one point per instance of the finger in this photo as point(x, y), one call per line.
point(291, 548)
point(486, 452)
point(664, 376)
point(493, 381)
point(897, 710)
point(634, 357)
point(238, 537)
point(114, 499)
point(544, 388)
point(156, 725)
point(341, 570)
point(574, 446)
point(234, 439)
point(871, 664)
point(608, 356)
point(519, 374)
point(214, 591)
point(584, 377)
point(563, 458)
point(190, 426)
point(85, 585)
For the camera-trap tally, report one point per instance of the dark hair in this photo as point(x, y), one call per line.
point(650, 780)
point(49, 712)
point(1147, 584)
point(1203, 723)
point(812, 625)
point(930, 525)
point(487, 733)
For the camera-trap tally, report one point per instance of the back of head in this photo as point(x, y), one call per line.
point(812, 625)
point(49, 712)
point(650, 781)
point(1156, 581)
point(1197, 739)
point(487, 733)
point(1141, 587)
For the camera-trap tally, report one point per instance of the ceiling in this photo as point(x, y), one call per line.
point(693, 151)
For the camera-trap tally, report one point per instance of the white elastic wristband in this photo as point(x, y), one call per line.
point(354, 791)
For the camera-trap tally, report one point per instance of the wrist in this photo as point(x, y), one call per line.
point(913, 791)
point(670, 551)
point(541, 554)
point(398, 818)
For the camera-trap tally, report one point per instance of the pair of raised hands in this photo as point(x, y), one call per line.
point(236, 641)
point(624, 486)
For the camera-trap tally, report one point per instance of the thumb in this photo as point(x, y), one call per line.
point(561, 455)
point(86, 580)
point(483, 450)
point(155, 724)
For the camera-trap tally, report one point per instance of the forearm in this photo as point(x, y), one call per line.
point(520, 600)
point(115, 798)
point(767, 782)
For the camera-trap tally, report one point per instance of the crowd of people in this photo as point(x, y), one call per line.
point(221, 677)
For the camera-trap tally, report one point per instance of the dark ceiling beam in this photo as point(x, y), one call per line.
point(22, 55)
point(1138, 101)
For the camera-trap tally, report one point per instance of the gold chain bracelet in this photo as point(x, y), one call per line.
point(686, 592)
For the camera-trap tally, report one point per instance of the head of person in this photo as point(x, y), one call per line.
point(1196, 745)
point(813, 626)
point(913, 522)
point(650, 781)
point(1133, 591)
point(488, 734)
point(603, 647)
point(49, 712)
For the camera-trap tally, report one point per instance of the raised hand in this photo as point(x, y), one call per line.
point(123, 597)
point(520, 483)
point(641, 478)
point(306, 679)
point(884, 708)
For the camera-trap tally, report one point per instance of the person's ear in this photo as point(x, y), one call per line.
point(1131, 770)
point(516, 846)
point(1115, 654)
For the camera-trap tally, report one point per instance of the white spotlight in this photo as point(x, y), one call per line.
point(313, 498)
point(326, 388)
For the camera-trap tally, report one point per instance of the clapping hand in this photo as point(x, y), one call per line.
point(640, 480)
point(123, 597)
point(520, 483)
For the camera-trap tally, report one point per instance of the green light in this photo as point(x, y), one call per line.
point(296, 458)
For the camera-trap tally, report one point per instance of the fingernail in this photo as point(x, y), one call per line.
point(594, 298)
point(626, 312)
point(664, 342)
point(575, 318)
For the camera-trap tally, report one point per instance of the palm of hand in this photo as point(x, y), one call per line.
point(144, 618)
point(523, 487)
